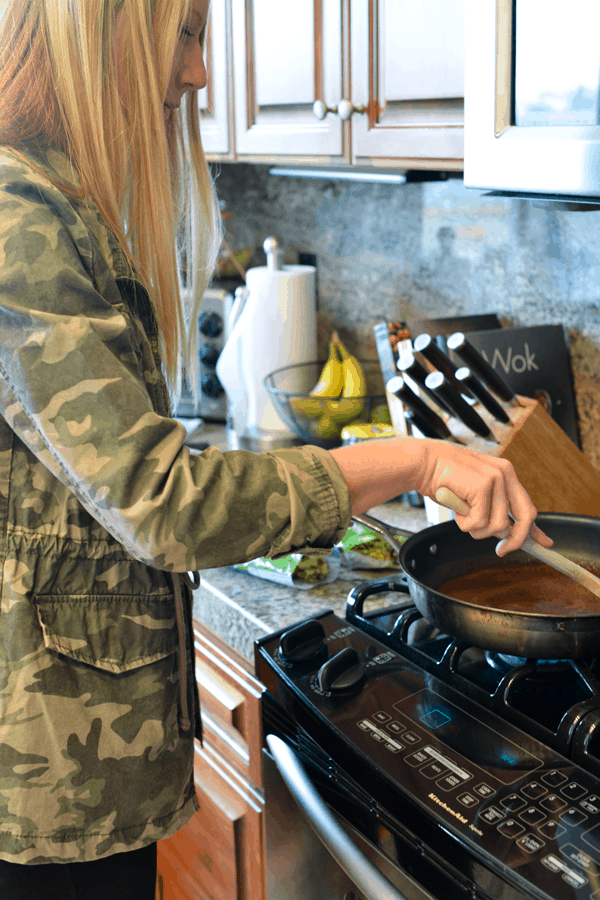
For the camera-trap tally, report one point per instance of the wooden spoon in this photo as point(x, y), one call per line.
point(557, 561)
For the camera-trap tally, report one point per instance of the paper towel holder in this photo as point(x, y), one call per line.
point(275, 253)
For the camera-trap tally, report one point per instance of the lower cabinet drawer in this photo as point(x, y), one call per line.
point(218, 855)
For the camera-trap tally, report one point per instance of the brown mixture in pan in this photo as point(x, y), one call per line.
point(524, 587)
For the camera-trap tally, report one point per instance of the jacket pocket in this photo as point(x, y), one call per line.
point(117, 633)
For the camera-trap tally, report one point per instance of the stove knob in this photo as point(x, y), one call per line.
point(342, 673)
point(209, 355)
point(211, 324)
point(211, 386)
point(303, 642)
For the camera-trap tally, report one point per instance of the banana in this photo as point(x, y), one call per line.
point(355, 385)
point(330, 383)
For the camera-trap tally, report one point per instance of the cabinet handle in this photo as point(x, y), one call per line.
point(345, 109)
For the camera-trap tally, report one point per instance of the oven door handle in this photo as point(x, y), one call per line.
point(347, 854)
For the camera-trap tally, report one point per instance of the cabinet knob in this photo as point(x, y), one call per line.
point(320, 109)
point(346, 109)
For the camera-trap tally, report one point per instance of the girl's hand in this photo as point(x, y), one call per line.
point(489, 487)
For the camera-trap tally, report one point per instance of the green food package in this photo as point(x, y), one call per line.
point(296, 569)
point(363, 548)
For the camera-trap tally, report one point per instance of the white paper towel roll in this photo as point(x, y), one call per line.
point(278, 327)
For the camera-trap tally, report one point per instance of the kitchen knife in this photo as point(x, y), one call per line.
point(438, 383)
point(399, 388)
point(410, 366)
point(415, 420)
point(426, 345)
point(465, 376)
point(481, 368)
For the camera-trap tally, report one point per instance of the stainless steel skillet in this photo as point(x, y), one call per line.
point(433, 556)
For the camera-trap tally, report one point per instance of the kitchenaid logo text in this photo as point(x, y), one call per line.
point(445, 806)
point(515, 361)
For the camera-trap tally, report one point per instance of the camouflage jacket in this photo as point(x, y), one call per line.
point(101, 506)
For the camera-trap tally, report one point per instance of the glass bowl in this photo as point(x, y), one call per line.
point(320, 420)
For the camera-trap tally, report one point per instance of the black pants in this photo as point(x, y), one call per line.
point(123, 876)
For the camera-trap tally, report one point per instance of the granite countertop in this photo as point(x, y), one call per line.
point(240, 608)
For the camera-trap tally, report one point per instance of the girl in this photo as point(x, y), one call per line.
point(105, 205)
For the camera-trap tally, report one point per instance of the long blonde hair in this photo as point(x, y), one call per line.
point(149, 179)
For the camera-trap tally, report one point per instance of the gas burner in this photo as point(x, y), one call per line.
point(503, 663)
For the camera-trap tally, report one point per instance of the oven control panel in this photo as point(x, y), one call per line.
point(516, 802)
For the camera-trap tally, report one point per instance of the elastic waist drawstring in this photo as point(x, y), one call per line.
point(184, 719)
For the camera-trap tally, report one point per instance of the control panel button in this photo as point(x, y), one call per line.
point(592, 838)
point(591, 804)
point(534, 790)
point(411, 738)
point(381, 716)
point(433, 770)
point(513, 802)
point(577, 856)
point(492, 815)
point(551, 829)
point(450, 782)
point(554, 778)
point(468, 800)
point(570, 875)
point(395, 727)
point(484, 790)
point(532, 816)
point(417, 758)
point(553, 803)
point(531, 843)
point(573, 817)
point(573, 791)
point(511, 829)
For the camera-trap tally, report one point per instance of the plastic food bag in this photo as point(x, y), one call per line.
point(363, 548)
point(296, 569)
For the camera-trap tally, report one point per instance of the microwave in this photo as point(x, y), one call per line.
point(532, 98)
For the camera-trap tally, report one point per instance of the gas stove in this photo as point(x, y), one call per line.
point(476, 774)
point(556, 701)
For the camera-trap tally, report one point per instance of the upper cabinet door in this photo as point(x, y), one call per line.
point(287, 55)
point(407, 70)
point(216, 99)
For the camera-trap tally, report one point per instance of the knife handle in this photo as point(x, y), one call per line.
point(399, 388)
point(410, 366)
point(438, 383)
point(464, 375)
point(481, 367)
point(426, 345)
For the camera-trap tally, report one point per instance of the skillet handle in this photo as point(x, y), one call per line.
point(383, 529)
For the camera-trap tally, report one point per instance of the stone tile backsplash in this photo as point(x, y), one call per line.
point(432, 249)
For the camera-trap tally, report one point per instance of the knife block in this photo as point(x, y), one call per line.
point(556, 474)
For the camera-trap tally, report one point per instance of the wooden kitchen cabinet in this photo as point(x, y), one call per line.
point(215, 101)
point(392, 69)
point(286, 56)
point(408, 71)
point(219, 854)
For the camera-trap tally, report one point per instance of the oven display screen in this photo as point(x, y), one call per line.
point(463, 734)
